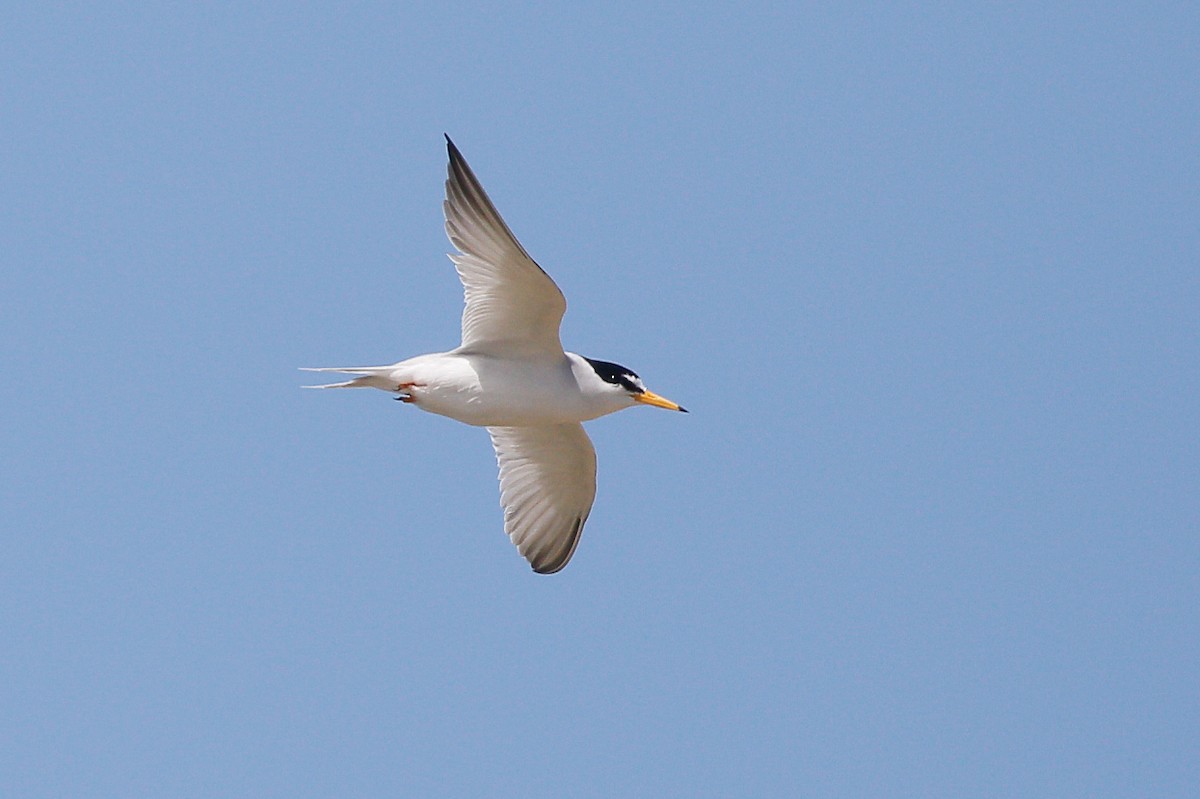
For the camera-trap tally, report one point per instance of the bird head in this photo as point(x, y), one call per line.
point(622, 381)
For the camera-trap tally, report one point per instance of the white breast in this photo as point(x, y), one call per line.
point(488, 391)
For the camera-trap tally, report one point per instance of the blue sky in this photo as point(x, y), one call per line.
point(925, 275)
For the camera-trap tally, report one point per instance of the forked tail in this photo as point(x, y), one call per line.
point(369, 376)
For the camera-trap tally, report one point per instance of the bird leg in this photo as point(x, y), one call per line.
point(405, 391)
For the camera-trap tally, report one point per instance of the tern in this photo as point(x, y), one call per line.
point(512, 376)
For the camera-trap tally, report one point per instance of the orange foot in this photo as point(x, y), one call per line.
point(405, 391)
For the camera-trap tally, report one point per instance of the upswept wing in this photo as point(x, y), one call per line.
point(512, 305)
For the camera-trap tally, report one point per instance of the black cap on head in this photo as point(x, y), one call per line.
point(617, 375)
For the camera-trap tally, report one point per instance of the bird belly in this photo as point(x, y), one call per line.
point(490, 392)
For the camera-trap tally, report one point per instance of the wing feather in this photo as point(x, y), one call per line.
point(547, 486)
point(512, 305)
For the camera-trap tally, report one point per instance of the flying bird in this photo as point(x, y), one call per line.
point(512, 376)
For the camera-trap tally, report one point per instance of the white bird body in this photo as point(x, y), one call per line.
point(494, 391)
point(512, 376)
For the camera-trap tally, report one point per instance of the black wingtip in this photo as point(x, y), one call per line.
point(683, 409)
